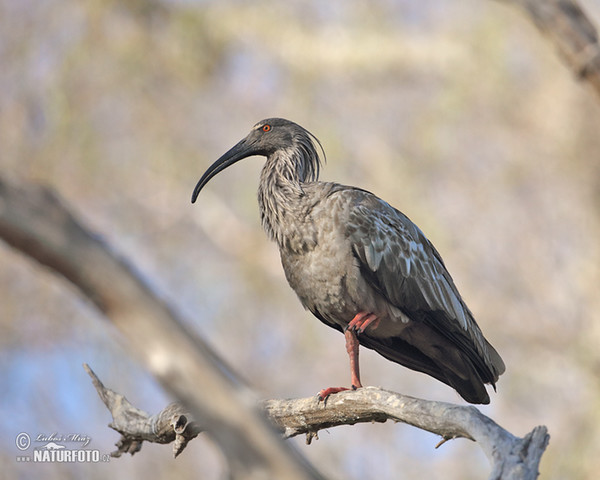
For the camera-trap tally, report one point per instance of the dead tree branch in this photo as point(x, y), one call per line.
point(35, 221)
point(573, 34)
point(171, 424)
point(511, 457)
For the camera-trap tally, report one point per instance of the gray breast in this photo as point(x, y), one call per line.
point(327, 277)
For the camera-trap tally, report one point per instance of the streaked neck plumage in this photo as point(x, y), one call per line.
point(282, 197)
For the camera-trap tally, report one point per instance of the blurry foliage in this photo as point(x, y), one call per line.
point(460, 115)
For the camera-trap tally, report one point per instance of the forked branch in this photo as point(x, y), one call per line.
point(511, 457)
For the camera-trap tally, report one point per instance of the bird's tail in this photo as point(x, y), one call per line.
point(446, 363)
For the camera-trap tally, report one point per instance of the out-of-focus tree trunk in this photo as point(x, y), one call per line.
point(34, 221)
point(567, 26)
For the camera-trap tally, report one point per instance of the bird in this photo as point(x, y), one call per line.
point(361, 266)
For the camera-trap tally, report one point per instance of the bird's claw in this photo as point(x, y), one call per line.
point(362, 320)
point(324, 394)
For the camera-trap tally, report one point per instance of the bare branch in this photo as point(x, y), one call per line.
point(171, 424)
point(511, 457)
point(573, 34)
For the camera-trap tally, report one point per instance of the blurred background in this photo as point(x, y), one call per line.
point(458, 113)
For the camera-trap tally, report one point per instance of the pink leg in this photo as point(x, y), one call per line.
point(352, 349)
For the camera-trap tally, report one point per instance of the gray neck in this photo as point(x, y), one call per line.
point(284, 204)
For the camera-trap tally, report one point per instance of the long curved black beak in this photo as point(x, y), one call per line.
point(239, 151)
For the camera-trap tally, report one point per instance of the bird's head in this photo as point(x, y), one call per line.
point(266, 138)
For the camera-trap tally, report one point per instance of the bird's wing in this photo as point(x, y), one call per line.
point(400, 263)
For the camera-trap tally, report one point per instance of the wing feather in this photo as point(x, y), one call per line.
point(400, 262)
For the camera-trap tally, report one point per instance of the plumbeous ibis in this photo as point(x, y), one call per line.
point(361, 266)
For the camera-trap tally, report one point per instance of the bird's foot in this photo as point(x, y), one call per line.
point(323, 394)
point(362, 320)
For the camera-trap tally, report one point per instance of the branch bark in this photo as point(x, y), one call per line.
point(171, 424)
point(568, 27)
point(35, 221)
point(511, 457)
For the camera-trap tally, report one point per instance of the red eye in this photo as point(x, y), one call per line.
point(266, 128)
